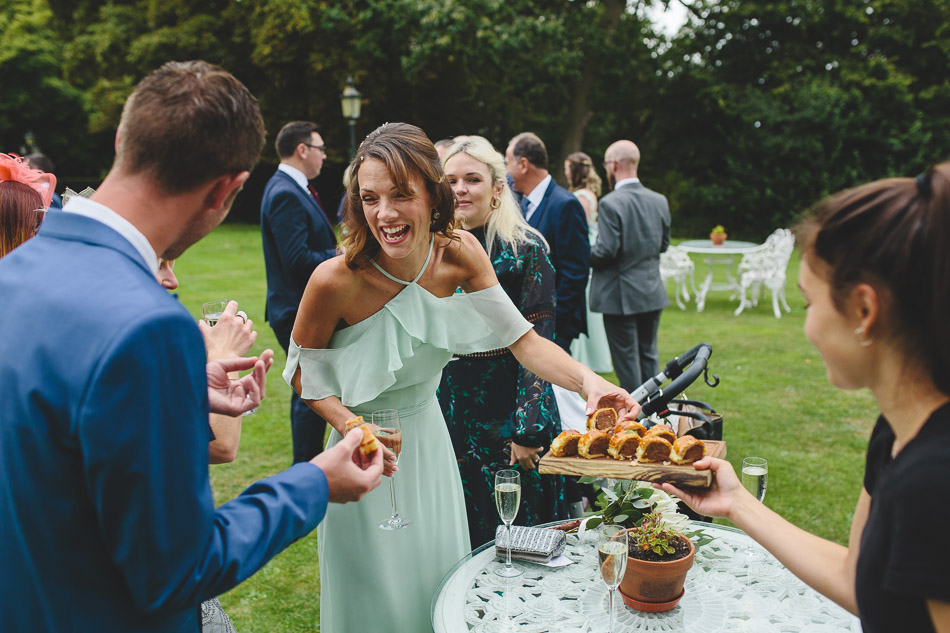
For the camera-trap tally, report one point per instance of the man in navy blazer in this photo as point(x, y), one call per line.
point(558, 215)
point(107, 521)
point(297, 237)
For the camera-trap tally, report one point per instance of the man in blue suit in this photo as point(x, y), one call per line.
point(107, 521)
point(558, 215)
point(297, 238)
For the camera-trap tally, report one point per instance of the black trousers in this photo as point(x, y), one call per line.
point(306, 427)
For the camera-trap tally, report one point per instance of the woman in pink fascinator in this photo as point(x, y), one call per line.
point(25, 195)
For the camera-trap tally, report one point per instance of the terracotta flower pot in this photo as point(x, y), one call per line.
point(656, 582)
point(718, 239)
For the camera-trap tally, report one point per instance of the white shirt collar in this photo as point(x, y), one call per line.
point(626, 181)
point(537, 195)
point(296, 174)
point(102, 213)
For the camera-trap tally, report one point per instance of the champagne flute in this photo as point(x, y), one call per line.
point(388, 422)
point(755, 479)
point(612, 557)
point(507, 500)
point(211, 311)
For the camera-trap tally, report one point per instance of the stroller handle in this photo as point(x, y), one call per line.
point(683, 370)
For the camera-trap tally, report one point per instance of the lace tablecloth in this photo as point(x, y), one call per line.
point(725, 591)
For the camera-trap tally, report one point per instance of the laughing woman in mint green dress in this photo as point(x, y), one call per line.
point(374, 330)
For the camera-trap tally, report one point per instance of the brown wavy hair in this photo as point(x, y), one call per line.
point(406, 151)
point(19, 218)
point(893, 234)
point(582, 173)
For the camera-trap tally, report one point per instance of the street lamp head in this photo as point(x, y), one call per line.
point(351, 100)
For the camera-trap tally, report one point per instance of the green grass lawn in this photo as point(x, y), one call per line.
point(774, 396)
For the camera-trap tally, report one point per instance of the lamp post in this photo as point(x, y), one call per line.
point(350, 101)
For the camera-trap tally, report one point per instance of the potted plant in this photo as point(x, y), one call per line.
point(718, 235)
point(661, 553)
point(660, 557)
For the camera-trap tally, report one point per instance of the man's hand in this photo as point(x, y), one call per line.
point(601, 394)
point(350, 474)
point(231, 336)
point(235, 396)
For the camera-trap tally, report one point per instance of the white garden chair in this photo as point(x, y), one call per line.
point(677, 265)
point(766, 267)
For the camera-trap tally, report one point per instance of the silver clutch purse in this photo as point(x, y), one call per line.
point(538, 545)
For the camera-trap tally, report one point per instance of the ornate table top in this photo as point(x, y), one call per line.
point(724, 592)
point(729, 247)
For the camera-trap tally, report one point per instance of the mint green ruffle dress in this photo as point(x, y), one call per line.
point(376, 580)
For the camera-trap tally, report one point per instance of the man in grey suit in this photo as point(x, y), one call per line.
point(633, 228)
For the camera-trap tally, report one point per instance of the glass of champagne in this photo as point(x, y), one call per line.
point(755, 479)
point(612, 558)
point(507, 500)
point(211, 311)
point(388, 422)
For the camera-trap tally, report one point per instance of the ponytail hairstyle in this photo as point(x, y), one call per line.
point(406, 151)
point(893, 234)
point(582, 173)
point(505, 222)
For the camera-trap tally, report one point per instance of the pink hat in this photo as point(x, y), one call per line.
point(12, 168)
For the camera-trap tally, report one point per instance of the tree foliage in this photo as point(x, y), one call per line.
point(752, 112)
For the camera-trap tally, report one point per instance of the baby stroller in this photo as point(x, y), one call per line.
point(682, 371)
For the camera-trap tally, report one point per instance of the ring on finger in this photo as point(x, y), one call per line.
point(242, 314)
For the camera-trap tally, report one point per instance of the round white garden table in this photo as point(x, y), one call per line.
point(725, 591)
point(718, 256)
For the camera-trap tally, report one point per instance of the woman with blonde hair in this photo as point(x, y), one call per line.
point(499, 414)
point(375, 328)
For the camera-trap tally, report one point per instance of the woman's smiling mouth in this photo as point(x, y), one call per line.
point(394, 233)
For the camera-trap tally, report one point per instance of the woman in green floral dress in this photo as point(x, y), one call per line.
point(499, 414)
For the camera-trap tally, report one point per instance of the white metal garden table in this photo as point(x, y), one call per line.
point(724, 592)
point(718, 256)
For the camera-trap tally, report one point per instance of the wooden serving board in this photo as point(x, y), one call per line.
point(632, 469)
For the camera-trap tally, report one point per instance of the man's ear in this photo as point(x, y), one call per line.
point(225, 189)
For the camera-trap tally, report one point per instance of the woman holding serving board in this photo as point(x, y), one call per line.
point(875, 273)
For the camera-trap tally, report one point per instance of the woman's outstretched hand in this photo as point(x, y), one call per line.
point(601, 393)
point(720, 498)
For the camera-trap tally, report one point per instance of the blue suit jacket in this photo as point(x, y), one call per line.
point(297, 237)
point(561, 220)
point(107, 521)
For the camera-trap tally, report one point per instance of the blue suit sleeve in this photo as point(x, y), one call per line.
point(573, 267)
point(290, 224)
point(143, 428)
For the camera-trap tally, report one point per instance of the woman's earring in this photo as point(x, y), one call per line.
point(865, 342)
point(495, 203)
